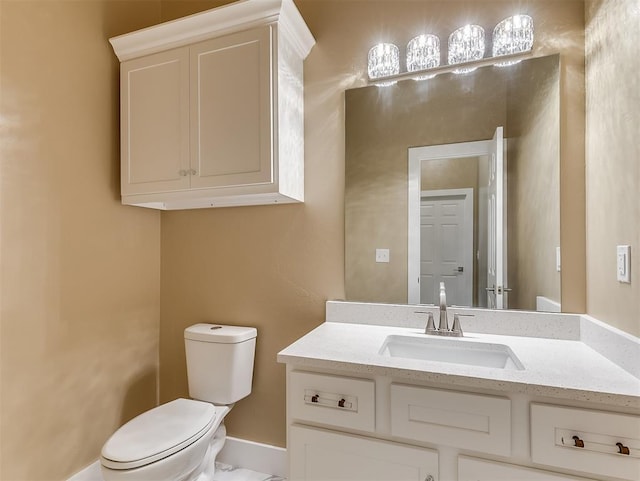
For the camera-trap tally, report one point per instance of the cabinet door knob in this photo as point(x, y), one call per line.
point(579, 443)
point(182, 173)
point(622, 449)
point(192, 171)
point(428, 478)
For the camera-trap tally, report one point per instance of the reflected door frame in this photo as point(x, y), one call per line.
point(415, 157)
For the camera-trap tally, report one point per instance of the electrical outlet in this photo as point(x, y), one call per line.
point(623, 263)
point(382, 255)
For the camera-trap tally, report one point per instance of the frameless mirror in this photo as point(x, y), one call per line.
point(424, 199)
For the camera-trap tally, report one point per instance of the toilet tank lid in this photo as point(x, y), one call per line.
point(219, 334)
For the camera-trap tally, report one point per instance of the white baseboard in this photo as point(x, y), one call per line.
point(263, 458)
point(236, 452)
point(90, 473)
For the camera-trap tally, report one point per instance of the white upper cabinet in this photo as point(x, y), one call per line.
point(212, 108)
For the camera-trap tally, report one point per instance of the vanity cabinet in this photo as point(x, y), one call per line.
point(212, 108)
point(359, 427)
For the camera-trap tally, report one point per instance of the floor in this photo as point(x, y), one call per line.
point(224, 472)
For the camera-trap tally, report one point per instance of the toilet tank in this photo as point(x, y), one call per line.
point(219, 362)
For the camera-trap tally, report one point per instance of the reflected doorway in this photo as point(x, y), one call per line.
point(434, 248)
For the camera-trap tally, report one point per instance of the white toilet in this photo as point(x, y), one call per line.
point(179, 440)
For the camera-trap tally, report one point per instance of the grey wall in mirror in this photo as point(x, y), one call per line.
point(383, 123)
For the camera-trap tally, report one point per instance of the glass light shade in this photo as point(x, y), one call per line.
point(383, 60)
point(465, 45)
point(512, 35)
point(423, 52)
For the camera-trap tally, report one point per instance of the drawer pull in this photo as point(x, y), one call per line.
point(622, 449)
point(326, 401)
point(578, 443)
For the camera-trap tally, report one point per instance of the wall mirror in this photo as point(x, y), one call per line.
point(420, 183)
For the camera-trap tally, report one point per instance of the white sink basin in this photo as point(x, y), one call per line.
point(458, 351)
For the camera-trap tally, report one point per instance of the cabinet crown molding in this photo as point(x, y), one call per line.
point(217, 22)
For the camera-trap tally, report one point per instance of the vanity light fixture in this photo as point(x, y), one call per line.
point(512, 35)
point(383, 60)
point(423, 52)
point(466, 44)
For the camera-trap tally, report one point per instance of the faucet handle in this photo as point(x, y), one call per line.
point(431, 325)
point(456, 330)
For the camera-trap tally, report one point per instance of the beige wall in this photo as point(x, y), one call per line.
point(613, 159)
point(533, 193)
point(79, 277)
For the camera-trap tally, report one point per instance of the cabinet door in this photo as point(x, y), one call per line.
point(319, 455)
point(231, 110)
point(155, 123)
point(471, 469)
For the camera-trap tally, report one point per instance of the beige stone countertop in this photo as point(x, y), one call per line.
point(564, 369)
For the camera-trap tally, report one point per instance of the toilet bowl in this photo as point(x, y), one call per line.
point(179, 440)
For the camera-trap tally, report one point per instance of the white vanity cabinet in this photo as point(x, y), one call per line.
point(359, 427)
point(212, 108)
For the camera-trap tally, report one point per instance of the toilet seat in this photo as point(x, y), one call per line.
point(159, 433)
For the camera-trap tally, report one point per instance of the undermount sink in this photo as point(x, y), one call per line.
point(458, 351)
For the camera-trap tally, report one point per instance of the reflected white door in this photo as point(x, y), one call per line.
point(496, 265)
point(446, 244)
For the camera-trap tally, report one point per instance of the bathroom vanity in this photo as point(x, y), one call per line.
point(522, 396)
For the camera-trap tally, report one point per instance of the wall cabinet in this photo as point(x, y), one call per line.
point(344, 427)
point(212, 108)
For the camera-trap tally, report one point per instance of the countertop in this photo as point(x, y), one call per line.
point(565, 369)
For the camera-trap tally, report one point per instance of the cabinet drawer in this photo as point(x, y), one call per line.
point(332, 400)
point(468, 421)
point(597, 434)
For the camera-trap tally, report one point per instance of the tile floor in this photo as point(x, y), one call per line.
point(225, 472)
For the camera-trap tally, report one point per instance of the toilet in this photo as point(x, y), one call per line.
point(179, 440)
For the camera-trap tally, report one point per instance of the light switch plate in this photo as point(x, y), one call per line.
point(623, 259)
point(382, 255)
point(558, 261)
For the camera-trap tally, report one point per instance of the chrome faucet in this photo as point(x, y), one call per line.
point(443, 325)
